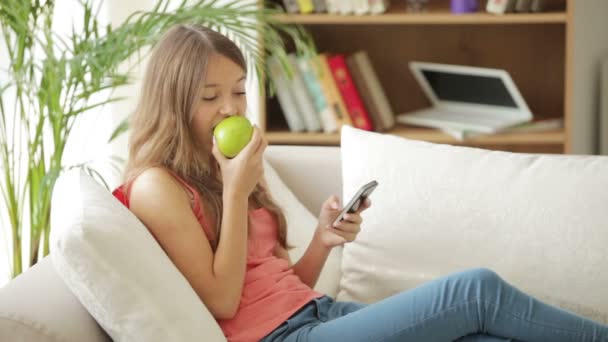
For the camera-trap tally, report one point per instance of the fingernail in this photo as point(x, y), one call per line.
point(213, 140)
point(334, 205)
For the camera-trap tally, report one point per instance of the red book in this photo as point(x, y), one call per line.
point(354, 105)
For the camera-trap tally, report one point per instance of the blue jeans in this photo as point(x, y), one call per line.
point(473, 305)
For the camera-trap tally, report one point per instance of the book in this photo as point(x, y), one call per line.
point(345, 7)
point(291, 6)
point(371, 91)
point(537, 6)
point(364, 93)
point(523, 5)
point(286, 99)
point(333, 6)
point(302, 97)
point(354, 105)
point(325, 112)
point(378, 6)
point(319, 6)
point(500, 6)
point(360, 7)
point(334, 99)
point(305, 6)
point(541, 125)
point(603, 119)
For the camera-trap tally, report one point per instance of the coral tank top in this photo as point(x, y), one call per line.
point(271, 291)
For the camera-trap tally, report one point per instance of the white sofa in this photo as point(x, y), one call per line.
point(538, 220)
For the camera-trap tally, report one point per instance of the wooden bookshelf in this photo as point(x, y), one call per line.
point(438, 14)
point(554, 137)
point(426, 19)
point(532, 47)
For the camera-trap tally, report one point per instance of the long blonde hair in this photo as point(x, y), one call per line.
point(161, 131)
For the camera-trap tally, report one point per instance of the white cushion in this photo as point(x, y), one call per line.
point(540, 221)
point(301, 224)
point(111, 262)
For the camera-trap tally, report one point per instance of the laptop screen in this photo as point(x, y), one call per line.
point(486, 90)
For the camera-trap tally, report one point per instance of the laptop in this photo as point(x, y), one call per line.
point(467, 98)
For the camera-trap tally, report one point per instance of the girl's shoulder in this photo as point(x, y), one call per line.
point(156, 182)
point(166, 179)
point(145, 180)
point(158, 199)
point(160, 185)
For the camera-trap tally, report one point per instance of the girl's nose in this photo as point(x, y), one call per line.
point(228, 108)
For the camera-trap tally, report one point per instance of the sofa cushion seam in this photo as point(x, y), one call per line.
point(34, 328)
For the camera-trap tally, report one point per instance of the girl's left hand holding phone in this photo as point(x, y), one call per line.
point(345, 231)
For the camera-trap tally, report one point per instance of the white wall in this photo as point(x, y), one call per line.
point(590, 42)
point(5, 250)
point(118, 12)
point(603, 148)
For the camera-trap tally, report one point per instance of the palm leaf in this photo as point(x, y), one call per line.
point(119, 130)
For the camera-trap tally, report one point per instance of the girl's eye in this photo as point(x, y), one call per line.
point(241, 93)
point(209, 98)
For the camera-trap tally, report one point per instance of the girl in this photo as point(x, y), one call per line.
point(217, 222)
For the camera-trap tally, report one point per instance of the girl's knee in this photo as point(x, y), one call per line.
point(483, 275)
point(482, 285)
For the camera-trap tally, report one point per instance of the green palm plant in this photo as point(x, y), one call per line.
point(53, 79)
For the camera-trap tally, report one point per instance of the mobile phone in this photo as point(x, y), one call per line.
point(356, 201)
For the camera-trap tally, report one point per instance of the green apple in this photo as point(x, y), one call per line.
point(232, 135)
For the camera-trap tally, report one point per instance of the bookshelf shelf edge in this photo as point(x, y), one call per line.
point(555, 137)
point(414, 19)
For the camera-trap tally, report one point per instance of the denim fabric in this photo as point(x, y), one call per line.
point(469, 306)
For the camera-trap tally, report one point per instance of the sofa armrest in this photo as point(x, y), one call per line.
point(38, 306)
point(313, 173)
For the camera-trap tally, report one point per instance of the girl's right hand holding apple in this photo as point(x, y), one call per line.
point(242, 173)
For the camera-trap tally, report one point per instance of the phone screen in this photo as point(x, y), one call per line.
point(357, 200)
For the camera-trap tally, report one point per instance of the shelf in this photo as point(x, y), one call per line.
point(555, 137)
point(517, 42)
point(437, 14)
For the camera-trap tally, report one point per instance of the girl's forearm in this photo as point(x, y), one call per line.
point(309, 267)
point(230, 259)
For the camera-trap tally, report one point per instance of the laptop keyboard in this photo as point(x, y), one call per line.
point(470, 118)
